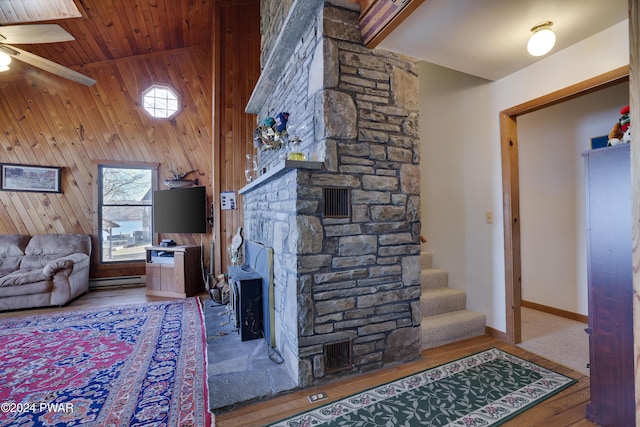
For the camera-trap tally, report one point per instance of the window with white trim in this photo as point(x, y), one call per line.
point(124, 211)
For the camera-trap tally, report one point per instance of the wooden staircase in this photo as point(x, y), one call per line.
point(445, 317)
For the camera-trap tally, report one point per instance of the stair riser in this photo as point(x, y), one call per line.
point(434, 279)
point(432, 306)
point(426, 260)
point(434, 336)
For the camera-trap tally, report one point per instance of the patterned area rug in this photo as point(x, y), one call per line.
point(484, 389)
point(124, 366)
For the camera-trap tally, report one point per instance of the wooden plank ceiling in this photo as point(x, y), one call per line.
point(111, 29)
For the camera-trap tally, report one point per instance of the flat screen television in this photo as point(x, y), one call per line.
point(180, 210)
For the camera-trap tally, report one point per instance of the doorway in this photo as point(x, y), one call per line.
point(511, 187)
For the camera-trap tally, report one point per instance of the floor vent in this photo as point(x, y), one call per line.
point(337, 356)
point(336, 202)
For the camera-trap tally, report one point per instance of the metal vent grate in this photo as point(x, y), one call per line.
point(336, 202)
point(337, 356)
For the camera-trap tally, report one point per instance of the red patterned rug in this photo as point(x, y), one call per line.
point(125, 366)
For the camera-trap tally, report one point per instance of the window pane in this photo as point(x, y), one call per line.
point(126, 230)
point(126, 186)
point(160, 101)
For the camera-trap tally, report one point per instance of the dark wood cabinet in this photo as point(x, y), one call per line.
point(609, 266)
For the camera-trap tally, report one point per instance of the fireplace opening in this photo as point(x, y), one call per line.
point(337, 356)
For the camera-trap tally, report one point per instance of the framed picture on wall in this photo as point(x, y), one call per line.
point(42, 179)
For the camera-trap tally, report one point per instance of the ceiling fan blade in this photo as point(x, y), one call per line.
point(45, 64)
point(36, 33)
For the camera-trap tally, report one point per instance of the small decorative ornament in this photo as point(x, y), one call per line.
point(178, 180)
point(295, 153)
point(621, 131)
point(235, 254)
point(281, 122)
point(272, 133)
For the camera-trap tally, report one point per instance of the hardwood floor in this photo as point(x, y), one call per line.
point(107, 297)
point(567, 408)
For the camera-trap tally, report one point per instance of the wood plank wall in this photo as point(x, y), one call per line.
point(236, 71)
point(46, 120)
point(49, 121)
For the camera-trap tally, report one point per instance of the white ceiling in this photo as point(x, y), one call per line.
point(488, 38)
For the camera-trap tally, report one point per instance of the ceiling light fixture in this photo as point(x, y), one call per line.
point(5, 60)
point(542, 39)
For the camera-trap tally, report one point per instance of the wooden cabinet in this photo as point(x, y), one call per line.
point(609, 266)
point(174, 271)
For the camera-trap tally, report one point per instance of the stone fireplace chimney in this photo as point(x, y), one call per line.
point(344, 225)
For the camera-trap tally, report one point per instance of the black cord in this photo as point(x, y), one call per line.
point(247, 267)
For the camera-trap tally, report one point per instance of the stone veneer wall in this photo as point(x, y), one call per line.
point(355, 278)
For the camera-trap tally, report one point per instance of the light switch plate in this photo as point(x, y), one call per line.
point(228, 200)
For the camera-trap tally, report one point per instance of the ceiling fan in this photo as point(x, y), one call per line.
point(36, 34)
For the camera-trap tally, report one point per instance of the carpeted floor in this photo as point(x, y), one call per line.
point(120, 366)
point(556, 338)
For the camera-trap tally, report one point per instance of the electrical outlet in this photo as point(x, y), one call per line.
point(488, 217)
point(313, 398)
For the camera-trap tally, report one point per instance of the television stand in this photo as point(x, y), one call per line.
point(173, 271)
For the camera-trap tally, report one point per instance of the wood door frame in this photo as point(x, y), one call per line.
point(511, 185)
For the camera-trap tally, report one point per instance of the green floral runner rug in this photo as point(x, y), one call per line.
point(484, 389)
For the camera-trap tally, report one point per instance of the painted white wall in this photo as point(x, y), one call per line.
point(461, 159)
point(552, 195)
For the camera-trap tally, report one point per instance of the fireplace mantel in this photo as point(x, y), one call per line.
point(279, 169)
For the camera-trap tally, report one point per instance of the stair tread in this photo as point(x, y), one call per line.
point(434, 270)
point(441, 292)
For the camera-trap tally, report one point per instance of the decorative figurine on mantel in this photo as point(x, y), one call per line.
point(235, 254)
point(295, 153)
point(178, 180)
point(272, 133)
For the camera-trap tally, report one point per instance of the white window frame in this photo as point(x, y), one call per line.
point(100, 204)
point(161, 105)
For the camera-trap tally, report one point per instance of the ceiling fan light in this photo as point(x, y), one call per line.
point(542, 40)
point(5, 60)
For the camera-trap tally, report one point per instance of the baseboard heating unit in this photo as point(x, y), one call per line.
point(111, 282)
